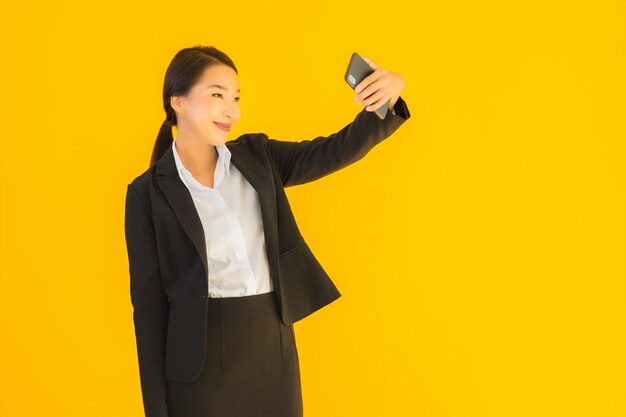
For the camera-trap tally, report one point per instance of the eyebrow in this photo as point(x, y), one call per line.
point(222, 87)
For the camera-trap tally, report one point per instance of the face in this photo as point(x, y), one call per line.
point(212, 102)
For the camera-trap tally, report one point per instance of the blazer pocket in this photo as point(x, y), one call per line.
point(291, 247)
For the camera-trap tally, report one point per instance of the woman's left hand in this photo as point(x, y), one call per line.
point(378, 87)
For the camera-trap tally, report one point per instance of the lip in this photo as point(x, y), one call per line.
point(223, 126)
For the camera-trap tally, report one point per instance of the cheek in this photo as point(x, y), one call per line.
point(201, 112)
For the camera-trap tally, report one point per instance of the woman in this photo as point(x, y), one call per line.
point(219, 271)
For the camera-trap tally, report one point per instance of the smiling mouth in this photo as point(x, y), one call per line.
point(223, 126)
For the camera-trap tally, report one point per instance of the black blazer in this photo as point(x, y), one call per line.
point(167, 253)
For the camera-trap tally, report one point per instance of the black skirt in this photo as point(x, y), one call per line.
point(251, 366)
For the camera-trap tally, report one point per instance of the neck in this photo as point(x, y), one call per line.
point(196, 155)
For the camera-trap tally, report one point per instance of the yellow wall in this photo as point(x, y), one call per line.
point(479, 250)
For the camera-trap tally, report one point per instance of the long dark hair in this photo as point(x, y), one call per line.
point(182, 74)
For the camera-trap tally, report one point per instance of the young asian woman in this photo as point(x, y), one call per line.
point(219, 270)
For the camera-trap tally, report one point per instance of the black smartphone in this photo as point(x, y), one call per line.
point(357, 70)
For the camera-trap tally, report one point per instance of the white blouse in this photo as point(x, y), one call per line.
point(233, 229)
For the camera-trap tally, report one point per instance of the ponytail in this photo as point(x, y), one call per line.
point(164, 140)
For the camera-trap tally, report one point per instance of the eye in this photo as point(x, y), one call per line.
point(236, 98)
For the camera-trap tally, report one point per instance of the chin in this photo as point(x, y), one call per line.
point(215, 141)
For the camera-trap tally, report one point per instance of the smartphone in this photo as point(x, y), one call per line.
point(357, 70)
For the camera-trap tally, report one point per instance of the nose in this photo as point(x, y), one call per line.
point(228, 112)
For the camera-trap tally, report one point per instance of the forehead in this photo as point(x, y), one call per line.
point(222, 77)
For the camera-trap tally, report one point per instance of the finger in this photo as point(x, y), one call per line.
point(367, 81)
point(376, 105)
point(373, 98)
point(377, 99)
point(379, 83)
point(380, 89)
point(365, 84)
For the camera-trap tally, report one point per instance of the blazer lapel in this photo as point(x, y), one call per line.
point(181, 201)
point(184, 208)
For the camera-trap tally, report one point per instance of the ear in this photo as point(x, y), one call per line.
point(176, 103)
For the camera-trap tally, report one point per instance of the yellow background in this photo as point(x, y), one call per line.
point(480, 250)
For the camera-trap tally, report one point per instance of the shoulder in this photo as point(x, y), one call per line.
point(250, 140)
point(142, 186)
point(142, 180)
point(250, 144)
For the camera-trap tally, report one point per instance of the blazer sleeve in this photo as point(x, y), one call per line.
point(150, 304)
point(309, 160)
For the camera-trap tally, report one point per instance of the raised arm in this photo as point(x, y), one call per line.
point(150, 304)
point(309, 160)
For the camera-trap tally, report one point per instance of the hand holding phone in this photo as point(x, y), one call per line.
point(357, 70)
